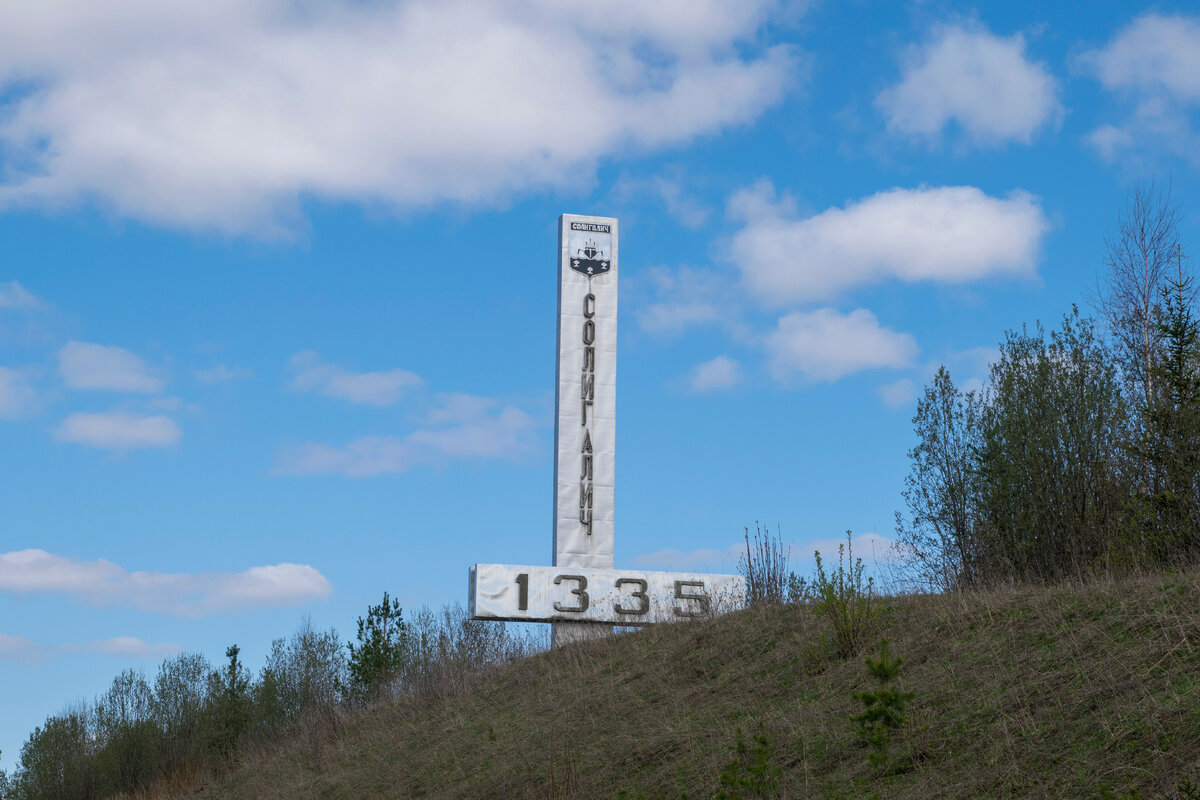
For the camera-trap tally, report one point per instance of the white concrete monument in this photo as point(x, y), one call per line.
point(582, 594)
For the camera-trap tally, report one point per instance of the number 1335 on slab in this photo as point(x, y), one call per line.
point(623, 597)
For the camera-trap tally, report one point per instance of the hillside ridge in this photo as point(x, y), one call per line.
point(1080, 690)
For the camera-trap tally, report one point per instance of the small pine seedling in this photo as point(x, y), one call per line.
point(883, 708)
point(752, 769)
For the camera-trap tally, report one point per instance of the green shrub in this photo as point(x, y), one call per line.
point(846, 599)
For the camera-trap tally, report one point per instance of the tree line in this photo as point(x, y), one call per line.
point(1081, 453)
point(195, 718)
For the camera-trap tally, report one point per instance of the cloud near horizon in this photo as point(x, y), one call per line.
point(871, 547)
point(942, 234)
point(104, 583)
point(226, 115)
point(23, 650)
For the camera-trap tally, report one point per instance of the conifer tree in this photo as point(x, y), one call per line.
point(884, 708)
point(381, 651)
point(1174, 424)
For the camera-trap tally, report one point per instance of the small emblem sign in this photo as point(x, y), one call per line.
point(589, 246)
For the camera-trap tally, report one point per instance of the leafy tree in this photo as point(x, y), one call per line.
point(1053, 488)
point(180, 693)
point(443, 649)
point(1031, 479)
point(127, 733)
point(382, 647)
point(941, 490)
point(55, 761)
point(303, 674)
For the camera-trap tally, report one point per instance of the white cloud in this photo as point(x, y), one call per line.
point(1154, 52)
point(370, 388)
point(126, 647)
point(975, 363)
point(899, 393)
point(225, 114)
point(668, 188)
point(947, 234)
point(968, 368)
point(19, 649)
point(221, 373)
point(824, 345)
point(103, 583)
point(23, 650)
point(16, 395)
point(673, 317)
point(685, 298)
point(117, 430)
point(870, 547)
point(711, 376)
point(462, 427)
point(1110, 141)
point(982, 82)
point(84, 365)
point(1154, 63)
point(14, 295)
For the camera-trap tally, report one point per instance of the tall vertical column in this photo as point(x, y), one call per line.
point(585, 401)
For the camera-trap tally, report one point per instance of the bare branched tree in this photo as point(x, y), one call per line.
point(1138, 256)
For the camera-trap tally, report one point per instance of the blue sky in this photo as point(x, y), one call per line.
point(277, 285)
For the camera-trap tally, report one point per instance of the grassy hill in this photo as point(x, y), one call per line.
point(1067, 691)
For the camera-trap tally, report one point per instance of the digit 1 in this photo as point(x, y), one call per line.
point(523, 592)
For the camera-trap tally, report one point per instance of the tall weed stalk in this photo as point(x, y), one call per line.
point(765, 567)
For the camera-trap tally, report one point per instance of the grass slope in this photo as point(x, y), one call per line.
point(1069, 691)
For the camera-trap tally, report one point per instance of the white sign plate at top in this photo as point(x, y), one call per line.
point(586, 395)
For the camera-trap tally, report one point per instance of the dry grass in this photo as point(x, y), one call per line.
point(1068, 691)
